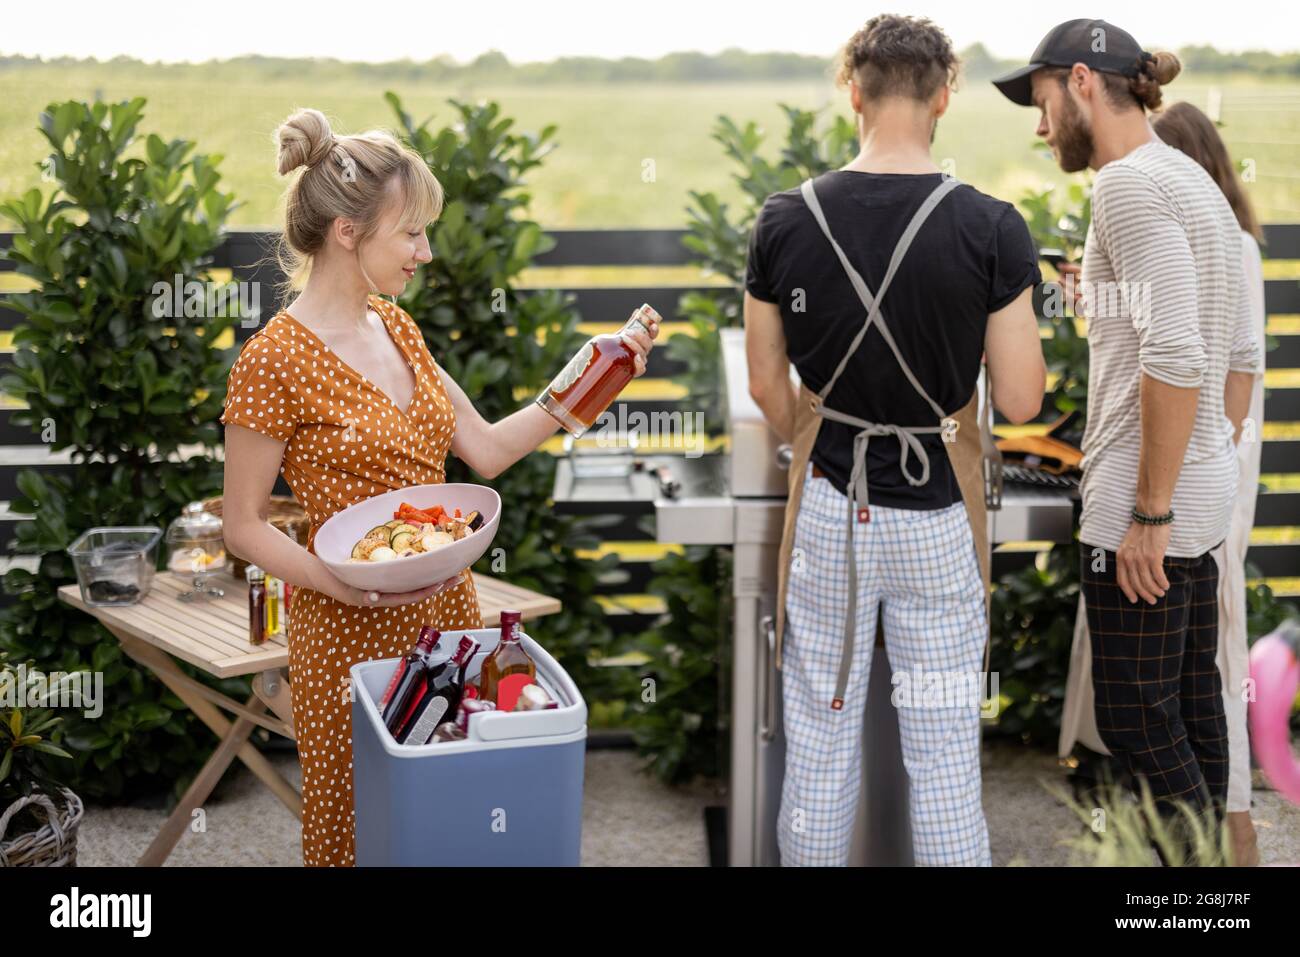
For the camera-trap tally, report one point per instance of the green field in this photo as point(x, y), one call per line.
point(594, 177)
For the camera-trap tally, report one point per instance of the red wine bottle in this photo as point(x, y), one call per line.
point(410, 682)
point(441, 696)
point(427, 633)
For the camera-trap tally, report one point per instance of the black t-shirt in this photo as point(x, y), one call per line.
point(973, 256)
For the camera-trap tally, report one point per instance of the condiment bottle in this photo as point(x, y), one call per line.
point(256, 604)
point(272, 605)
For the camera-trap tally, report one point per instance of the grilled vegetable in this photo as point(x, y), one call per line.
point(367, 547)
point(414, 531)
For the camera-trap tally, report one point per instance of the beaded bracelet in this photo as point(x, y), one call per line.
point(1144, 519)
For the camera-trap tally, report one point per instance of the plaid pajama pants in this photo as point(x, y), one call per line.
point(920, 569)
point(1158, 699)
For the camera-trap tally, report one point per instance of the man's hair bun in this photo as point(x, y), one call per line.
point(1153, 73)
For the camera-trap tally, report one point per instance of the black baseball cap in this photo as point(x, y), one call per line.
point(1096, 44)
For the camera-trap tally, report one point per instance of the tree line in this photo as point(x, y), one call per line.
point(495, 68)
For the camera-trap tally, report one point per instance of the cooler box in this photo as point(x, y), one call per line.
point(510, 794)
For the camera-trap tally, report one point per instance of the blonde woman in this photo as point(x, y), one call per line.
point(339, 393)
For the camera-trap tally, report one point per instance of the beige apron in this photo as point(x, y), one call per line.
point(961, 437)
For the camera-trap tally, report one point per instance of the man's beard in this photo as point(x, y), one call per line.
point(1073, 137)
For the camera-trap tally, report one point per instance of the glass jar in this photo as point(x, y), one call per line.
point(115, 566)
point(195, 549)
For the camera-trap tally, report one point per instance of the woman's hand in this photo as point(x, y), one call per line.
point(345, 593)
point(640, 342)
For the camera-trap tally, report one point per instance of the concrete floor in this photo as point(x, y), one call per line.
point(630, 819)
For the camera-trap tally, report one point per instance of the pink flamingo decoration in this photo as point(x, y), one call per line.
point(1275, 671)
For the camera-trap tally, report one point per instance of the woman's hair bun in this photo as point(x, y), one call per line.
point(304, 139)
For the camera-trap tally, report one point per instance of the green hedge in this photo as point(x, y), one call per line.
point(102, 380)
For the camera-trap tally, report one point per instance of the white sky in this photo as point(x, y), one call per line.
point(376, 31)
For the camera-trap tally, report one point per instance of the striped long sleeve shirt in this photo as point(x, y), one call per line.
point(1165, 295)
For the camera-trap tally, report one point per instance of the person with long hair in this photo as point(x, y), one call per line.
point(340, 394)
point(1190, 131)
point(1172, 361)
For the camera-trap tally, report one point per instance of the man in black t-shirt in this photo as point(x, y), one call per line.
point(973, 258)
point(879, 534)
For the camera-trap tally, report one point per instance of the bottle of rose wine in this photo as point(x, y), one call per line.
point(508, 669)
point(592, 380)
point(441, 697)
point(408, 681)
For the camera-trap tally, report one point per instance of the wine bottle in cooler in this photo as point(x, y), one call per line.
point(428, 635)
point(408, 681)
point(508, 669)
point(441, 696)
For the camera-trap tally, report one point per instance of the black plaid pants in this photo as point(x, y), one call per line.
point(1158, 695)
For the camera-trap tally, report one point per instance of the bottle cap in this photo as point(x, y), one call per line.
point(642, 318)
point(254, 575)
point(428, 638)
point(468, 648)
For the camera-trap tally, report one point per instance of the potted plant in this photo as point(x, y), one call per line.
point(38, 817)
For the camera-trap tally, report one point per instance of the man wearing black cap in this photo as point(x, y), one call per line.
point(1170, 369)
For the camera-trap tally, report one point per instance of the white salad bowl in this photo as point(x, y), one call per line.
point(341, 532)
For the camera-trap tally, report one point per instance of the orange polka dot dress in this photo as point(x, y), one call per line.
point(346, 441)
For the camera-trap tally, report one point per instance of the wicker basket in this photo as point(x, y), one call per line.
point(53, 844)
point(285, 514)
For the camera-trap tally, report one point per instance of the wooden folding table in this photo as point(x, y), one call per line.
point(213, 636)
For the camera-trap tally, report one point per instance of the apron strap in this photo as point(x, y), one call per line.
point(872, 303)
